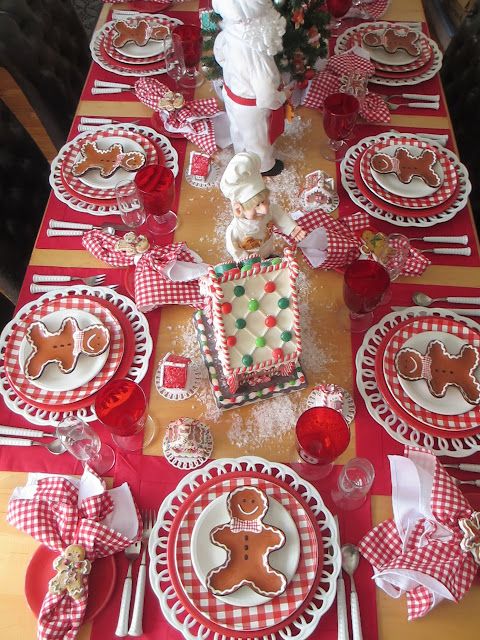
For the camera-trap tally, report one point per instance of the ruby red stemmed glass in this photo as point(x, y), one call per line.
point(192, 41)
point(322, 434)
point(156, 185)
point(365, 284)
point(337, 9)
point(340, 111)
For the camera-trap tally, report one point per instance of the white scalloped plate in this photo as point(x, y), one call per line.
point(137, 371)
point(341, 47)
point(75, 200)
point(348, 180)
point(377, 407)
point(174, 611)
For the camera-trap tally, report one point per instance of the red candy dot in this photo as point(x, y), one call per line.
point(226, 307)
point(216, 387)
point(277, 353)
point(269, 287)
point(270, 321)
point(231, 341)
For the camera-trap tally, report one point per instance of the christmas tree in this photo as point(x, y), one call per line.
point(303, 43)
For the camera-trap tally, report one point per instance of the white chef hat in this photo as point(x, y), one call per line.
point(242, 178)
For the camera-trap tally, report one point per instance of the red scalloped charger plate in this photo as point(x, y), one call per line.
point(100, 584)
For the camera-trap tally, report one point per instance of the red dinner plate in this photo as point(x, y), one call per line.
point(101, 581)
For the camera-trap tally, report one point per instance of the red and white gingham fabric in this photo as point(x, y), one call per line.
point(195, 114)
point(344, 240)
point(375, 9)
point(152, 288)
point(70, 158)
point(57, 398)
point(261, 616)
point(445, 191)
point(407, 331)
point(52, 516)
point(372, 108)
point(440, 558)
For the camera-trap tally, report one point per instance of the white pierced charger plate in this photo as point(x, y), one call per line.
point(176, 614)
point(315, 399)
point(212, 180)
point(137, 371)
point(341, 46)
point(87, 367)
point(207, 556)
point(97, 208)
point(347, 170)
point(378, 408)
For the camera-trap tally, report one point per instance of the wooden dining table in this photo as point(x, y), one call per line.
point(260, 429)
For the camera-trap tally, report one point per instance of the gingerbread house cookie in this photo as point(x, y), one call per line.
point(199, 166)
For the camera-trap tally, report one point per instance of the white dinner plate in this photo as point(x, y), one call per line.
point(417, 187)
point(400, 57)
point(52, 379)
point(207, 556)
point(453, 403)
point(151, 49)
point(92, 177)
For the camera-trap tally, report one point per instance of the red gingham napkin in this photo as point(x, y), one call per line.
point(344, 240)
point(419, 552)
point(153, 288)
point(48, 510)
point(335, 77)
point(193, 120)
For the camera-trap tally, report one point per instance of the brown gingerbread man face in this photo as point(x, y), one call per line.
point(409, 364)
point(247, 504)
point(95, 340)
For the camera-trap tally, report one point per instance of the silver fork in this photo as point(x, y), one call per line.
point(91, 281)
point(132, 552)
point(135, 629)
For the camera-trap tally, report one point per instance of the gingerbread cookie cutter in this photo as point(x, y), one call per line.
point(334, 397)
point(188, 443)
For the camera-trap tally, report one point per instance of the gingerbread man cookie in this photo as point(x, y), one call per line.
point(394, 39)
point(107, 160)
point(139, 33)
point(248, 543)
point(441, 369)
point(71, 567)
point(405, 166)
point(133, 245)
point(62, 347)
point(471, 535)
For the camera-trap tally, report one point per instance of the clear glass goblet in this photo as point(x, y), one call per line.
point(130, 203)
point(83, 443)
point(174, 58)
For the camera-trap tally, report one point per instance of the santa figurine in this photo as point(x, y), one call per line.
point(254, 217)
point(251, 34)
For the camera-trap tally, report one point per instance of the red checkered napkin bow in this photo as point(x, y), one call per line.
point(52, 516)
point(342, 73)
point(193, 119)
point(419, 553)
point(153, 286)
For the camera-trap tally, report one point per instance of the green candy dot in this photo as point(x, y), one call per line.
point(260, 341)
point(276, 260)
point(253, 305)
point(246, 267)
point(259, 394)
point(238, 291)
point(240, 323)
point(291, 382)
point(284, 303)
point(286, 336)
point(247, 360)
point(266, 263)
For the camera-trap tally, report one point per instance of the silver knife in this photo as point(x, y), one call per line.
point(341, 599)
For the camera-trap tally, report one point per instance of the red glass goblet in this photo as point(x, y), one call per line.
point(157, 187)
point(340, 111)
point(337, 9)
point(322, 435)
point(192, 41)
point(121, 405)
point(365, 283)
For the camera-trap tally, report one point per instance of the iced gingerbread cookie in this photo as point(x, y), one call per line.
point(248, 543)
point(71, 567)
point(442, 370)
point(63, 346)
point(405, 166)
point(107, 160)
point(394, 39)
point(139, 33)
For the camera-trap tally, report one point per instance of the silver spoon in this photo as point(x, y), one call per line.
point(423, 300)
point(55, 446)
point(350, 560)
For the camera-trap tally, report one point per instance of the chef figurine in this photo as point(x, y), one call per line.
point(251, 34)
point(250, 232)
